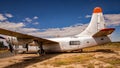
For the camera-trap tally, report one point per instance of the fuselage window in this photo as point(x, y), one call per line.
point(74, 42)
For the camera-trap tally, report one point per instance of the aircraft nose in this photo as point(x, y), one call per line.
point(97, 10)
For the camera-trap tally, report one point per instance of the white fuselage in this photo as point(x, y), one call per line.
point(68, 44)
point(74, 43)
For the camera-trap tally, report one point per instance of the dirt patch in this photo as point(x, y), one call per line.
point(66, 60)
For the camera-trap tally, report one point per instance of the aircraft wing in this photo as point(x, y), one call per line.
point(104, 32)
point(25, 36)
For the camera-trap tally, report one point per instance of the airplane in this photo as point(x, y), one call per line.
point(96, 33)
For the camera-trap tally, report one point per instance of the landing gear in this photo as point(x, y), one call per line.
point(41, 50)
point(26, 46)
point(11, 48)
point(81, 50)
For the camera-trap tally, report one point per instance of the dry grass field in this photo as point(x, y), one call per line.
point(102, 56)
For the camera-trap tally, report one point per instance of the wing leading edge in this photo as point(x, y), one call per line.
point(25, 36)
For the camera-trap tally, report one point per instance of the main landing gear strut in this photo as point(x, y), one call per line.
point(26, 46)
point(11, 48)
point(41, 51)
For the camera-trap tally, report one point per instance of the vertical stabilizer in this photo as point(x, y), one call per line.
point(96, 24)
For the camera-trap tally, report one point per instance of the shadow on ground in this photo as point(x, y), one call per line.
point(31, 60)
point(104, 50)
point(101, 50)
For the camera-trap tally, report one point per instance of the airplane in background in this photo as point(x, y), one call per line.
point(96, 33)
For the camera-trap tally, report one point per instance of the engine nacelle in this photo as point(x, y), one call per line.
point(15, 41)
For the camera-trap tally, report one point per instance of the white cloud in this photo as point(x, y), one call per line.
point(8, 15)
point(2, 17)
point(18, 27)
point(87, 16)
point(28, 30)
point(28, 20)
point(11, 25)
point(66, 31)
point(35, 17)
point(36, 23)
point(31, 20)
point(112, 19)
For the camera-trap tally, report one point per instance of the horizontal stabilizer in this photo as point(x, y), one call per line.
point(104, 32)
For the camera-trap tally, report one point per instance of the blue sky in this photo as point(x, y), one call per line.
point(46, 14)
point(56, 13)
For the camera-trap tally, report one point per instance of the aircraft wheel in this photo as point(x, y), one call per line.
point(41, 52)
point(81, 50)
point(24, 52)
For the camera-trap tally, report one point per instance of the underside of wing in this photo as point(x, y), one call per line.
point(104, 32)
point(25, 36)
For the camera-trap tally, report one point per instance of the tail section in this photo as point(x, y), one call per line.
point(97, 23)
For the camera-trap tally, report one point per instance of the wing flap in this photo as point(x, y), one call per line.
point(104, 32)
point(25, 36)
